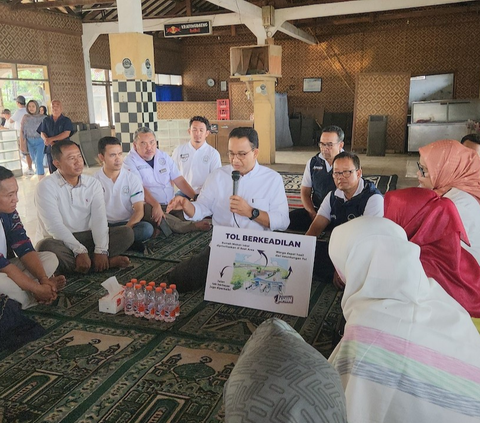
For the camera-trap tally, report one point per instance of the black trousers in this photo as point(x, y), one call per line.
point(191, 274)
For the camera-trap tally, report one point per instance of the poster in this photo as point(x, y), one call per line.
point(269, 271)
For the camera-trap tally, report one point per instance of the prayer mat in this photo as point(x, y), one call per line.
point(175, 248)
point(97, 367)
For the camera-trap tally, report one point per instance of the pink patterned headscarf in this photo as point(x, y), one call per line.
point(452, 165)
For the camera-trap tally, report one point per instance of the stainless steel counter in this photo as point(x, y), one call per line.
point(420, 134)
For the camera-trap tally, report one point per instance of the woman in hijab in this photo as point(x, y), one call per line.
point(31, 138)
point(433, 223)
point(453, 171)
point(410, 351)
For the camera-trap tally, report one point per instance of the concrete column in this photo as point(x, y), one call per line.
point(130, 16)
point(134, 101)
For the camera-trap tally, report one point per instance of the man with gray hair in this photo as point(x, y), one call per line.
point(158, 173)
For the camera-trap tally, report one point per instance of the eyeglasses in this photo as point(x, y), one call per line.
point(346, 173)
point(239, 156)
point(328, 144)
point(423, 170)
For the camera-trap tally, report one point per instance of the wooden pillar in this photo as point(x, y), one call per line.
point(264, 115)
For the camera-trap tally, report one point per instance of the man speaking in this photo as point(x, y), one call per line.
point(243, 194)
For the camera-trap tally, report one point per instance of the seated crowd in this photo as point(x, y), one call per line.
point(410, 267)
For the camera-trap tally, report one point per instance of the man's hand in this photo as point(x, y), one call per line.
point(47, 141)
point(100, 262)
point(157, 213)
point(177, 203)
point(82, 263)
point(45, 293)
point(239, 206)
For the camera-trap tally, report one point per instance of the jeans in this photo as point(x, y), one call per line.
point(141, 231)
point(35, 148)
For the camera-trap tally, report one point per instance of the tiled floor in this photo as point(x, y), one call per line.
point(290, 160)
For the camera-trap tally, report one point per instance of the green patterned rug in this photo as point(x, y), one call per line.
point(97, 367)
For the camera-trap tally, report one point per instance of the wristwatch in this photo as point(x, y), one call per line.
point(255, 214)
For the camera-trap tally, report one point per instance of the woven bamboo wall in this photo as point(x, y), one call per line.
point(53, 40)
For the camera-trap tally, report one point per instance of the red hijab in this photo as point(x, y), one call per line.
point(433, 223)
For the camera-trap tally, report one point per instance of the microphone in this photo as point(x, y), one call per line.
point(235, 178)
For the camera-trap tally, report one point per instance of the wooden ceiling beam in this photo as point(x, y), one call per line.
point(57, 3)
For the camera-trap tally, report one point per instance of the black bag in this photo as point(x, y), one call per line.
point(16, 329)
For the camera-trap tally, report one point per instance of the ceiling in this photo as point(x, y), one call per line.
point(299, 13)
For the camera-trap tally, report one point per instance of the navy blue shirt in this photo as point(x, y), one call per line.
point(52, 128)
point(17, 239)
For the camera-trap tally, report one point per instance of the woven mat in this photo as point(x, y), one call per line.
point(97, 367)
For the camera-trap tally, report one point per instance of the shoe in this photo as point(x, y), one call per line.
point(30, 172)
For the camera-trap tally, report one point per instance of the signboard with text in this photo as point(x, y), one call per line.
point(269, 271)
point(187, 29)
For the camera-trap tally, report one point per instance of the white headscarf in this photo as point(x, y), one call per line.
point(410, 352)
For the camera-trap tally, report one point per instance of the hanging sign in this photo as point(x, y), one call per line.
point(188, 29)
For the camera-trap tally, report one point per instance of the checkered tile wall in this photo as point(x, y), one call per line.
point(134, 106)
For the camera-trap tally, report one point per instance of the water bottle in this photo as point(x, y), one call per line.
point(159, 304)
point(152, 284)
point(150, 303)
point(163, 285)
point(139, 304)
point(129, 295)
point(169, 306)
point(143, 285)
point(173, 287)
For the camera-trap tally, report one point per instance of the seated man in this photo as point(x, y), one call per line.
point(197, 159)
point(123, 190)
point(260, 204)
point(29, 278)
point(158, 173)
point(353, 197)
point(472, 141)
point(317, 179)
point(72, 217)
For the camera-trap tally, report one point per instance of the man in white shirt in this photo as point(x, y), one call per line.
point(123, 190)
point(159, 173)
point(72, 217)
point(16, 120)
point(259, 204)
point(317, 179)
point(197, 159)
point(5, 119)
point(353, 197)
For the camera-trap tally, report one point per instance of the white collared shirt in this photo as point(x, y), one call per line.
point(121, 194)
point(262, 188)
point(158, 180)
point(63, 209)
point(196, 165)
point(374, 206)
